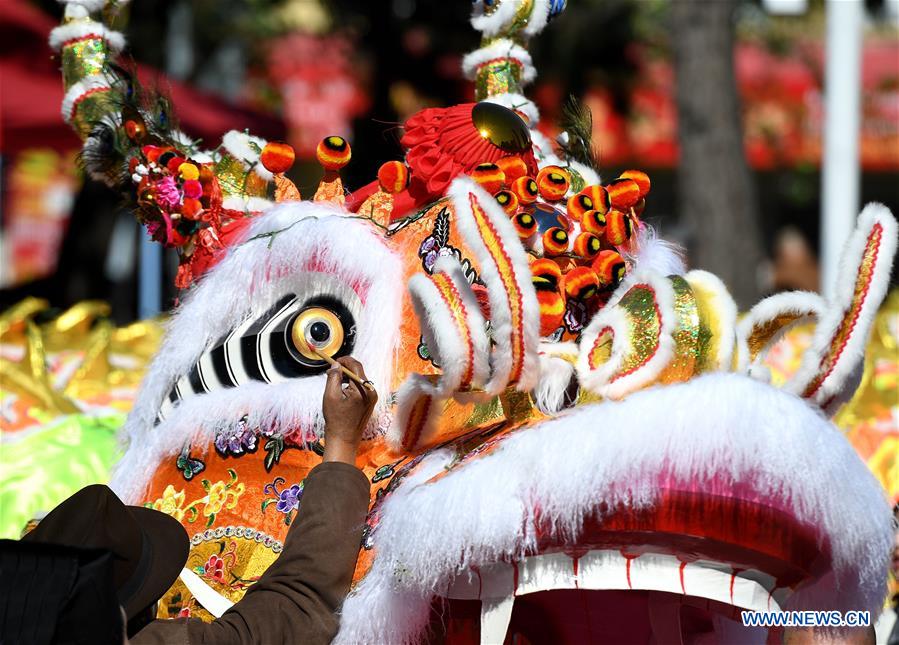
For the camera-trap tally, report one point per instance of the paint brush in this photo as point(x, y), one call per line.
point(366, 384)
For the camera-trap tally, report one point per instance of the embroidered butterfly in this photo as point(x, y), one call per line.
point(189, 466)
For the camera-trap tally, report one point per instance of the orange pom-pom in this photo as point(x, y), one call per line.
point(600, 198)
point(640, 178)
point(525, 225)
point(512, 167)
point(508, 200)
point(393, 176)
point(546, 274)
point(578, 205)
point(277, 157)
point(489, 176)
point(525, 189)
point(587, 245)
point(593, 222)
point(580, 283)
point(553, 182)
point(610, 268)
point(547, 277)
point(555, 241)
point(333, 153)
point(552, 310)
point(618, 228)
point(624, 193)
point(190, 208)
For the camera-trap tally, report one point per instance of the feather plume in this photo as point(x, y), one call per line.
point(577, 124)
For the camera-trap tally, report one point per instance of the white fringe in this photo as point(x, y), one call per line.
point(607, 455)
point(81, 29)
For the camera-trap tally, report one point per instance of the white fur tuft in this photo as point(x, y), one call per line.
point(254, 275)
point(717, 424)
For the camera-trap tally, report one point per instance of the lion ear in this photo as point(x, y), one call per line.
point(766, 323)
point(839, 342)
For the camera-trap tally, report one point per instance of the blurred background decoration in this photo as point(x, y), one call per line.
point(298, 70)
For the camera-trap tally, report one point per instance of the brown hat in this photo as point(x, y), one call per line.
point(149, 547)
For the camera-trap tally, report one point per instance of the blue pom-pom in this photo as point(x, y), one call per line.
point(556, 7)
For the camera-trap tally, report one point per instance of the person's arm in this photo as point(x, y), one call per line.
point(297, 598)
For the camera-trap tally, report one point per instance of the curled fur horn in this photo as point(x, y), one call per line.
point(839, 342)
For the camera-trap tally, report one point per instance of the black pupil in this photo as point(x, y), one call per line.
point(319, 332)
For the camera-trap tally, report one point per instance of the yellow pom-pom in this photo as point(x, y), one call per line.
point(188, 171)
point(333, 153)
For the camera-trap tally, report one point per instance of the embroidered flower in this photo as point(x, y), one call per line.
point(289, 500)
point(184, 613)
point(214, 569)
point(221, 495)
point(236, 440)
point(171, 502)
point(286, 501)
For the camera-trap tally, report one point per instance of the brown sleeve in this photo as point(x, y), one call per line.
point(296, 599)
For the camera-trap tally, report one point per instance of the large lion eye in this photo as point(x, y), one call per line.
point(317, 331)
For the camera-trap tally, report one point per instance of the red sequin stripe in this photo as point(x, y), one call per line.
point(450, 295)
point(417, 417)
point(78, 39)
point(497, 251)
point(81, 98)
point(844, 331)
point(501, 59)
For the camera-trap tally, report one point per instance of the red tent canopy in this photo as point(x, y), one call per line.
point(31, 92)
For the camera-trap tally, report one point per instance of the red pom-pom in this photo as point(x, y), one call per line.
point(277, 157)
point(525, 224)
point(553, 182)
point(618, 228)
point(151, 153)
point(512, 167)
point(610, 268)
point(489, 176)
point(578, 205)
point(624, 193)
point(600, 198)
point(173, 163)
point(580, 283)
point(193, 189)
point(507, 200)
point(640, 178)
point(555, 241)
point(333, 153)
point(587, 245)
point(393, 176)
point(525, 189)
point(593, 222)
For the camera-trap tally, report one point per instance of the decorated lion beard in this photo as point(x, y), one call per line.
point(563, 405)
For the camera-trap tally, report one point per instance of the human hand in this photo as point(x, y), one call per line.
point(347, 407)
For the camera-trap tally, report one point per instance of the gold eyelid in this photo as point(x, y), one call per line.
point(308, 346)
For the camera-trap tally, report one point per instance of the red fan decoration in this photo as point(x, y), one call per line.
point(443, 143)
